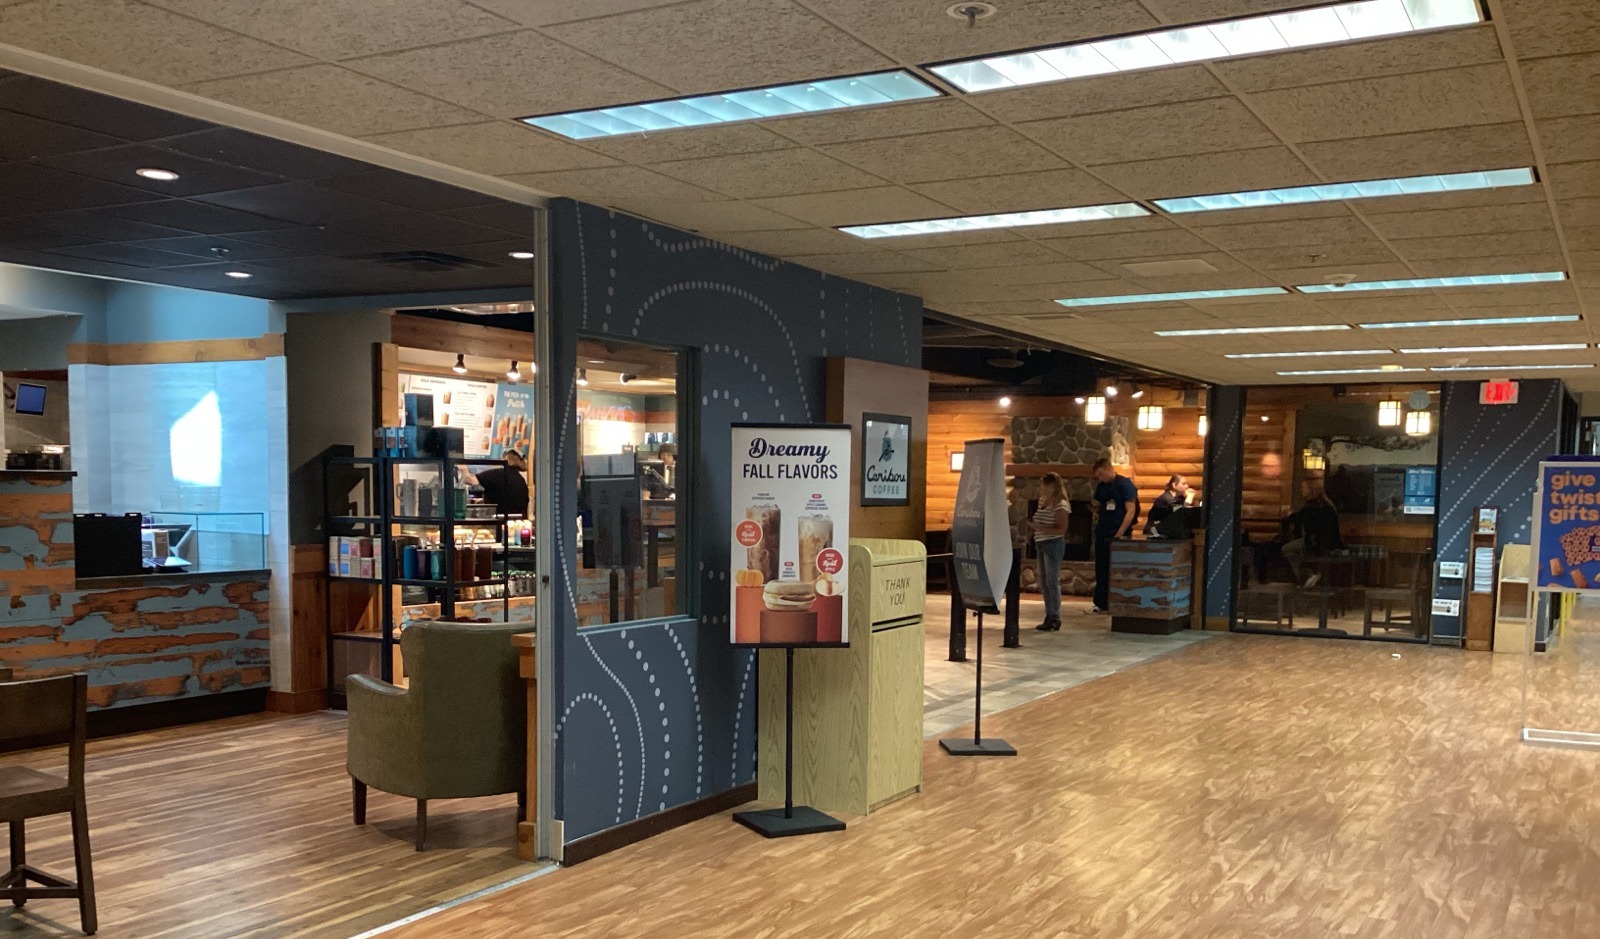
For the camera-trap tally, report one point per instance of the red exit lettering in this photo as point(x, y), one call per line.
point(1497, 392)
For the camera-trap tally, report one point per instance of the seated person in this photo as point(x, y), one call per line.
point(655, 483)
point(1176, 494)
point(1313, 530)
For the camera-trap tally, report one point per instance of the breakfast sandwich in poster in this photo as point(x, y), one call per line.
point(790, 532)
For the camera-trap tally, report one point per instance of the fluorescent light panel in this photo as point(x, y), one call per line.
point(1482, 321)
point(1354, 371)
point(1512, 369)
point(1334, 192)
point(831, 94)
point(1226, 39)
point(1298, 355)
point(1532, 347)
point(1416, 283)
point(1172, 297)
point(1088, 213)
point(1249, 330)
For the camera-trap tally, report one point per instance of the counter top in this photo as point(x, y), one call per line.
point(182, 577)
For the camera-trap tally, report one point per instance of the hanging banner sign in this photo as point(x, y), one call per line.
point(513, 421)
point(980, 532)
point(790, 530)
point(1566, 526)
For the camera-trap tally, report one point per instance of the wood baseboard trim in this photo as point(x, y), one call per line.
point(603, 842)
point(297, 702)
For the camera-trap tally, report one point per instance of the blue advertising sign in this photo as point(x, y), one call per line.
point(1567, 526)
point(1422, 486)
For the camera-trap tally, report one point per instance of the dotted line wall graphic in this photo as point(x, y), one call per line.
point(699, 724)
point(616, 738)
point(632, 706)
point(1504, 451)
point(1222, 544)
point(694, 244)
point(738, 713)
point(583, 271)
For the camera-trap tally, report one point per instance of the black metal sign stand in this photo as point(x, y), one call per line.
point(978, 745)
point(791, 819)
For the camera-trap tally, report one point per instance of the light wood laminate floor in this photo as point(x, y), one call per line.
point(241, 828)
point(1259, 787)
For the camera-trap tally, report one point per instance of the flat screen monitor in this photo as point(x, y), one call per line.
point(30, 398)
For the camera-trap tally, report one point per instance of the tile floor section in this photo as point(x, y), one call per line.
point(1084, 649)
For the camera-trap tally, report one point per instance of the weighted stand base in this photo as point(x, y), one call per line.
point(804, 820)
point(988, 746)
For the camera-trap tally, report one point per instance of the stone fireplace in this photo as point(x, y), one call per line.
point(1070, 447)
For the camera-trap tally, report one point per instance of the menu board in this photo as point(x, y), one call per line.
point(790, 530)
point(457, 402)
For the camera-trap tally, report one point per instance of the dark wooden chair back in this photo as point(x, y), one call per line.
point(48, 712)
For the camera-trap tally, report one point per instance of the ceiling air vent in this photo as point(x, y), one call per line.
point(423, 262)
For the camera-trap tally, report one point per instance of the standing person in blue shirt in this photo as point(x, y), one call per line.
point(1117, 500)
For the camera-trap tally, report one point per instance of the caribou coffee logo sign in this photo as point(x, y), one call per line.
point(885, 460)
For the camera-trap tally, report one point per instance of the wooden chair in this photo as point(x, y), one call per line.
point(1410, 596)
point(46, 712)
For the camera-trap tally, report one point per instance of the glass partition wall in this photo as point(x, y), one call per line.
point(1337, 511)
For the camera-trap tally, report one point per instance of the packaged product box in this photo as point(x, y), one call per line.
point(333, 555)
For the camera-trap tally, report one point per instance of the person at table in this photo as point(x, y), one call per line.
point(1049, 524)
point(505, 487)
point(1117, 500)
point(1172, 498)
point(656, 482)
point(1313, 531)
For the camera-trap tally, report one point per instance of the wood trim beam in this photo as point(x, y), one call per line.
point(421, 332)
point(265, 346)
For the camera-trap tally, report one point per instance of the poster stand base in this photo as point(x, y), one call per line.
point(983, 746)
point(791, 819)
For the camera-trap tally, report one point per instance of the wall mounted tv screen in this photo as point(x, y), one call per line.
point(30, 398)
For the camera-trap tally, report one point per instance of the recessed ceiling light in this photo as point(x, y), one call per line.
point(1533, 347)
point(237, 275)
point(1334, 192)
point(1088, 213)
point(1352, 371)
point(1506, 368)
point(729, 107)
point(1296, 355)
point(1481, 321)
point(1416, 283)
point(1205, 42)
point(1250, 330)
point(153, 172)
point(522, 255)
point(1173, 297)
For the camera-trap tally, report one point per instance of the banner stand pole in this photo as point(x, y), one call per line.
point(791, 819)
point(978, 745)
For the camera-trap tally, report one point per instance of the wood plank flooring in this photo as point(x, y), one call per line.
point(1246, 786)
point(241, 828)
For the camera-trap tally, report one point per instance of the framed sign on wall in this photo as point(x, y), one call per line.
point(885, 459)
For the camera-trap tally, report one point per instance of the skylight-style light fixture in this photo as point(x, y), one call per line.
point(1150, 417)
point(1527, 347)
point(1094, 410)
point(728, 107)
point(1389, 413)
point(1334, 192)
point(1251, 330)
point(1480, 321)
point(1297, 355)
point(1419, 423)
point(1382, 370)
point(156, 173)
point(1173, 297)
point(1206, 42)
point(932, 226)
point(1509, 368)
point(1416, 283)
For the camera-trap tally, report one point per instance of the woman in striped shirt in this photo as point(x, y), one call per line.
point(1049, 525)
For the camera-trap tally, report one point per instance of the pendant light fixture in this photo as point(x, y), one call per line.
point(1094, 410)
point(460, 368)
point(1204, 425)
point(1419, 423)
point(514, 374)
point(1388, 414)
point(583, 378)
point(1150, 417)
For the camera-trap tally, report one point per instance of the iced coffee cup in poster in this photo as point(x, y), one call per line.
point(790, 529)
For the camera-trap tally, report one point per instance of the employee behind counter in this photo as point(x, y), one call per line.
point(505, 487)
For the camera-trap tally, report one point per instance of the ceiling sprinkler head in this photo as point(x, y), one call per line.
point(970, 10)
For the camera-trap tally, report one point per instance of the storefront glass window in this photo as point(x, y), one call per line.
point(632, 489)
point(1337, 512)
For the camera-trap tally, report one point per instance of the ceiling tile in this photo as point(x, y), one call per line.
point(333, 98)
point(1493, 264)
point(1394, 105)
point(131, 255)
point(852, 263)
point(772, 173)
point(1052, 272)
point(718, 216)
point(193, 217)
point(1438, 201)
point(510, 217)
point(511, 75)
point(1020, 191)
point(1164, 130)
point(264, 154)
point(717, 45)
point(1324, 255)
point(795, 241)
point(1563, 86)
point(136, 40)
point(858, 206)
point(1579, 212)
point(1570, 139)
point(24, 138)
point(1392, 56)
point(1571, 180)
point(1275, 213)
point(896, 120)
point(335, 29)
point(1552, 27)
point(1102, 93)
point(304, 202)
point(615, 185)
point(689, 143)
point(919, 31)
point(1132, 245)
point(213, 248)
point(1481, 246)
point(547, 12)
point(1337, 230)
point(196, 176)
point(950, 154)
point(1200, 174)
point(1458, 150)
point(99, 113)
point(498, 148)
point(1476, 220)
point(991, 255)
point(70, 190)
point(1318, 272)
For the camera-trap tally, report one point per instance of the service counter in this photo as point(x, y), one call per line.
point(1152, 585)
point(141, 639)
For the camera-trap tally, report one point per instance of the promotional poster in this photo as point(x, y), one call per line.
point(980, 532)
point(790, 531)
point(1567, 526)
point(513, 421)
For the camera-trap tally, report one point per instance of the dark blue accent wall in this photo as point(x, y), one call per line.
point(1489, 455)
point(1224, 459)
point(652, 717)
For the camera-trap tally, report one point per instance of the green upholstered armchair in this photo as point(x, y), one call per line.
point(456, 733)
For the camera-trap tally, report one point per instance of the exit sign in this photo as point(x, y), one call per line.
point(1497, 392)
